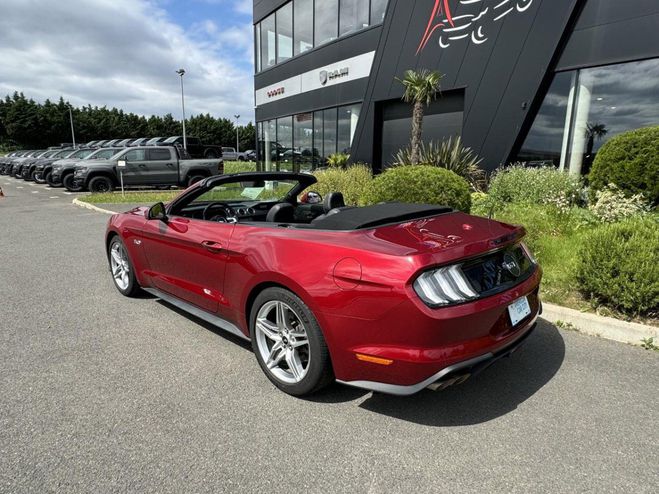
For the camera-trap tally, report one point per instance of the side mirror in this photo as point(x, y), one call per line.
point(121, 163)
point(157, 212)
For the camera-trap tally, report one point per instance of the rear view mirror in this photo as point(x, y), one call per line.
point(157, 212)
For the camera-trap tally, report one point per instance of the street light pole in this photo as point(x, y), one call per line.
point(73, 134)
point(237, 139)
point(181, 72)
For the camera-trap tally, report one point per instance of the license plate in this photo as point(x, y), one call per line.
point(518, 310)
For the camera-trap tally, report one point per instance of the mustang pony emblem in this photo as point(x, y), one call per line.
point(473, 15)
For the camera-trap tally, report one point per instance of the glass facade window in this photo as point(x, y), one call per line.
point(303, 142)
point(257, 44)
point(584, 108)
point(303, 32)
point(348, 116)
point(329, 132)
point(284, 33)
point(300, 25)
point(305, 157)
point(326, 23)
point(353, 16)
point(268, 42)
point(378, 9)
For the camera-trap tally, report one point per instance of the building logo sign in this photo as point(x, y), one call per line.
point(474, 14)
point(278, 91)
point(325, 76)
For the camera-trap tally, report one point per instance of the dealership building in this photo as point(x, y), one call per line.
point(539, 81)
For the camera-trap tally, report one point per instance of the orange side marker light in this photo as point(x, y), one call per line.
point(373, 360)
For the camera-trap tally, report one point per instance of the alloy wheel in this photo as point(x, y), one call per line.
point(282, 341)
point(119, 266)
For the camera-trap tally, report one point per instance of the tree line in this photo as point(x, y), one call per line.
point(26, 124)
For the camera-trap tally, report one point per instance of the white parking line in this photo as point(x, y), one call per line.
point(19, 187)
point(53, 197)
point(68, 193)
point(35, 191)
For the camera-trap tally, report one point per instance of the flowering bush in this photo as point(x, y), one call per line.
point(613, 205)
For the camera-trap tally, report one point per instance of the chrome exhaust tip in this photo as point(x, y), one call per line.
point(440, 385)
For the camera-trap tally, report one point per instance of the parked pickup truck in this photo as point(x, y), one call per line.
point(145, 166)
point(194, 147)
point(230, 154)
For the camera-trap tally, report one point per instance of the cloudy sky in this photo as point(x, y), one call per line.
point(124, 53)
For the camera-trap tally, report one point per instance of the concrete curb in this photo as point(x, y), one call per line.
point(604, 327)
point(82, 204)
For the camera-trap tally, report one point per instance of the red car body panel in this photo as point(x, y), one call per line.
point(359, 284)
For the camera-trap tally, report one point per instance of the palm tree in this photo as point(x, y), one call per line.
point(594, 130)
point(421, 88)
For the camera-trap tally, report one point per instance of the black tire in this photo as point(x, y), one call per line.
point(100, 184)
point(67, 182)
point(33, 176)
point(132, 288)
point(241, 158)
point(211, 154)
point(25, 174)
point(48, 178)
point(193, 179)
point(319, 372)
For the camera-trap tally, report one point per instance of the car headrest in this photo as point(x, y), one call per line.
point(333, 200)
point(282, 212)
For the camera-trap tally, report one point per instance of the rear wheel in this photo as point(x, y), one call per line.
point(288, 343)
point(100, 185)
point(193, 179)
point(68, 182)
point(121, 268)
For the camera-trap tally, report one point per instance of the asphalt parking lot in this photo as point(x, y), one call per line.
point(99, 393)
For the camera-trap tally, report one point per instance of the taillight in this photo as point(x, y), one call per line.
point(444, 286)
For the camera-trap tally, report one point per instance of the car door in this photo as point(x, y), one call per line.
point(162, 166)
point(187, 258)
point(136, 170)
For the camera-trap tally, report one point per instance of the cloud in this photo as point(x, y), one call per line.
point(124, 53)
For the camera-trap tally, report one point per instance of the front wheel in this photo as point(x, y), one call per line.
point(288, 343)
point(99, 185)
point(123, 273)
point(48, 178)
point(69, 183)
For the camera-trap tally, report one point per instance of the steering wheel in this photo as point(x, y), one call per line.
point(220, 216)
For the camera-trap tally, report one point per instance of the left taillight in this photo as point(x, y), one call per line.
point(444, 286)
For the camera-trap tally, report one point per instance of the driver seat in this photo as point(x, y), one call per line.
point(282, 212)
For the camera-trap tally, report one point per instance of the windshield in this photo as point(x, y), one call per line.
point(262, 190)
point(171, 140)
point(61, 154)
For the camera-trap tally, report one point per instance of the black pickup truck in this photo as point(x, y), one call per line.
point(194, 147)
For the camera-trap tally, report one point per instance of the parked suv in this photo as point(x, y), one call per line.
point(62, 170)
point(194, 147)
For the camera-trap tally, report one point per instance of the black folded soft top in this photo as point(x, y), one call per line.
point(377, 215)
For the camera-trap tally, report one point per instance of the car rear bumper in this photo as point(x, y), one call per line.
point(408, 345)
point(452, 374)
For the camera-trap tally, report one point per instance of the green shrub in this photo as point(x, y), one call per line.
point(351, 182)
point(630, 161)
point(612, 205)
point(619, 265)
point(421, 184)
point(338, 160)
point(449, 154)
point(522, 185)
point(239, 166)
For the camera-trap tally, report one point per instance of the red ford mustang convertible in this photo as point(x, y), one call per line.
point(392, 297)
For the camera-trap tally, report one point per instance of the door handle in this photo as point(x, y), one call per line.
point(212, 246)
